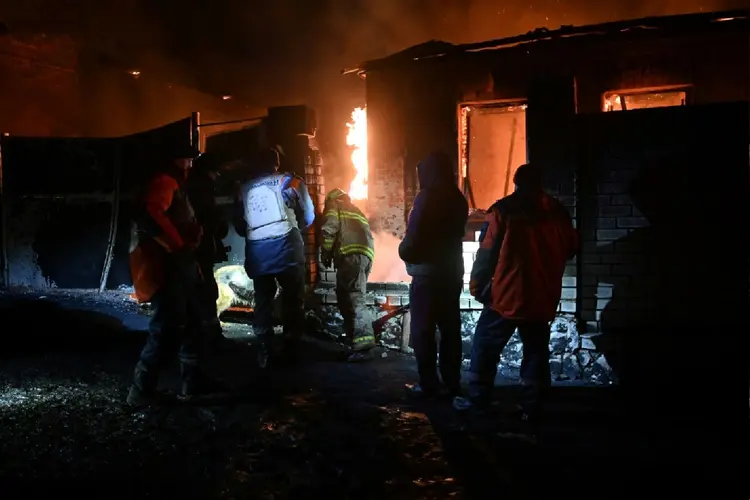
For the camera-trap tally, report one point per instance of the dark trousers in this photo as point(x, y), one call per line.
point(352, 272)
point(435, 302)
point(490, 338)
point(208, 291)
point(292, 283)
point(175, 326)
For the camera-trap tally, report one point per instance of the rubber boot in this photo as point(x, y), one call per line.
point(142, 391)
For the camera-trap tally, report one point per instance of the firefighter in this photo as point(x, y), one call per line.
point(272, 211)
point(166, 274)
point(211, 249)
point(525, 242)
point(432, 251)
point(348, 244)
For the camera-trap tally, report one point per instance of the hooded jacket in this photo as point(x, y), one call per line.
point(437, 222)
point(525, 243)
point(345, 229)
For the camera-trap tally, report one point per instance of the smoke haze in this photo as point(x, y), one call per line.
point(292, 51)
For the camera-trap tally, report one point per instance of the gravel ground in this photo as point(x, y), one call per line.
point(323, 428)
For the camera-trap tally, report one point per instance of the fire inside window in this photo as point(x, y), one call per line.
point(644, 100)
point(492, 146)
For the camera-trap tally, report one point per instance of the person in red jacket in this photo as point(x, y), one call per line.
point(525, 243)
point(166, 274)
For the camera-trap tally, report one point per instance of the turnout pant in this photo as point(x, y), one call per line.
point(292, 283)
point(490, 338)
point(352, 272)
point(175, 326)
point(435, 302)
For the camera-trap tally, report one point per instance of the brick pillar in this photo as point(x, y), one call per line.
point(316, 186)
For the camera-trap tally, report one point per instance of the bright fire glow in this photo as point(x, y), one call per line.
point(357, 140)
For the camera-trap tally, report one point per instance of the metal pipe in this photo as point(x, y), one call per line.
point(230, 122)
point(109, 255)
point(4, 222)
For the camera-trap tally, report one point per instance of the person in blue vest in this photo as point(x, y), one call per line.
point(273, 210)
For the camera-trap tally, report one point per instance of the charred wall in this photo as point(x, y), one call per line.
point(412, 106)
point(563, 82)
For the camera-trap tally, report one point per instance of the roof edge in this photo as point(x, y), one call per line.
point(418, 52)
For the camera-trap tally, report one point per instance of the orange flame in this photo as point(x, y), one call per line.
point(357, 140)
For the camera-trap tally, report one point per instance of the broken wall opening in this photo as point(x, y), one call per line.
point(493, 146)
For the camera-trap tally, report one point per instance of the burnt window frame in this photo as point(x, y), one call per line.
point(688, 89)
point(463, 148)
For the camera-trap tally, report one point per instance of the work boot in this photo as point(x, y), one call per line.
point(361, 356)
point(140, 399)
point(142, 391)
point(420, 391)
point(200, 384)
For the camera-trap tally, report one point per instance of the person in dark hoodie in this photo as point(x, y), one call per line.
point(525, 243)
point(432, 251)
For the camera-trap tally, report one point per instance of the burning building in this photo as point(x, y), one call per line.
point(600, 107)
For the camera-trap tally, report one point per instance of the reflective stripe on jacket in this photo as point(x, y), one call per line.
point(345, 229)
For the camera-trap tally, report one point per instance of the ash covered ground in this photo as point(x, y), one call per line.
point(325, 427)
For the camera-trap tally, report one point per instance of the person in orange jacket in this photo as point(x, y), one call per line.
point(166, 273)
point(525, 243)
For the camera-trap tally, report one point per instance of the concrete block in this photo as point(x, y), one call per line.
point(596, 269)
point(569, 293)
point(606, 223)
point(624, 211)
point(567, 306)
point(622, 199)
point(611, 188)
point(611, 234)
point(591, 259)
point(569, 281)
point(628, 222)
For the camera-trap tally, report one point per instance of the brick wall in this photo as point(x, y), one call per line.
point(610, 258)
point(316, 186)
point(386, 195)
